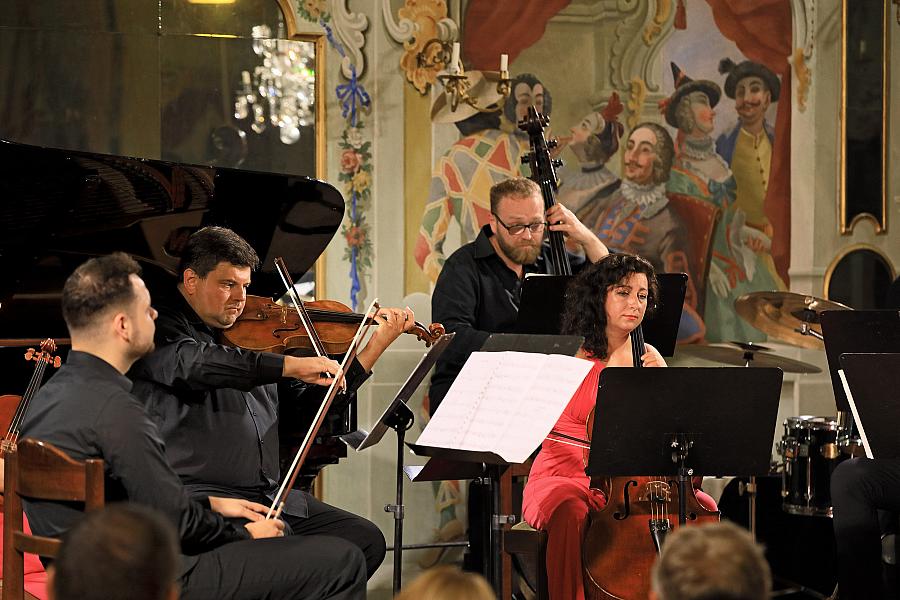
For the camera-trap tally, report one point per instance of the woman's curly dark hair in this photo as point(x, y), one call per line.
point(586, 298)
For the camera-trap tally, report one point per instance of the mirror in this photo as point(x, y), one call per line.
point(212, 84)
point(865, 88)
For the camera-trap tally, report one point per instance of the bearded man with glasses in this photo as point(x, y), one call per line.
point(478, 290)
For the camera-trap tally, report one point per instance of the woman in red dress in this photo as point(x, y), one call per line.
point(604, 304)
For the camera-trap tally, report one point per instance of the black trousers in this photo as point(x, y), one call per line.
point(861, 490)
point(285, 568)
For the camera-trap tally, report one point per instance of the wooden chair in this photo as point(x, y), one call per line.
point(38, 470)
point(700, 218)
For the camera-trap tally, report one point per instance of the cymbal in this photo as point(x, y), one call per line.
point(742, 357)
point(785, 315)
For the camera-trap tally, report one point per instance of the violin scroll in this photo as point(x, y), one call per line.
point(429, 335)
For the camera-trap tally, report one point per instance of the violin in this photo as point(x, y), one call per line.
point(543, 173)
point(623, 539)
point(12, 407)
point(271, 327)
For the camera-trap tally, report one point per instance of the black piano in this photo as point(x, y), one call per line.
point(118, 132)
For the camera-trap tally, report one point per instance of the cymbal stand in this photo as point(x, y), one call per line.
point(749, 489)
point(807, 318)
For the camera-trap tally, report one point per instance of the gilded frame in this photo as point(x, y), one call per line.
point(880, 225)
point(293, 33)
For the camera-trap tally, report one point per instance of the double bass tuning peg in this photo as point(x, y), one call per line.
point(556, 162)
point(552, 143)
point(526, 158)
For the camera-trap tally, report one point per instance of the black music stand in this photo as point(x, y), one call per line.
point(856, 331)
point(873, 380)
point(452, 463)
point(543, 301)
point(684, 420)
point(399, 417)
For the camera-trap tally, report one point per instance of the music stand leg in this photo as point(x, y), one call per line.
point(400, 425)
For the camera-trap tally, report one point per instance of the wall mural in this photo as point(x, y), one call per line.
point(713, 201)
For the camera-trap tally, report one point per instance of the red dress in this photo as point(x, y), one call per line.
point(558, 497)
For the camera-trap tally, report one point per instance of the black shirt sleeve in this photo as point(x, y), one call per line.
point(454, 304)
point(180, 361)
point(135, 456)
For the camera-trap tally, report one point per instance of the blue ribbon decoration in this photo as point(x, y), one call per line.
point(349, 94)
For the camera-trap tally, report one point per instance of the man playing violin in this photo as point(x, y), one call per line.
point(88, 411)
point(217, 407)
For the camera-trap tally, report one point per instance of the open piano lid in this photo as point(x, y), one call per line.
point(58, 207)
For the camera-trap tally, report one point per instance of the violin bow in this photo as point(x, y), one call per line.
point(291, 476)
point(314, 338)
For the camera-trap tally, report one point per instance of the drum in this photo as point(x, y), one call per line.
point(810, 452)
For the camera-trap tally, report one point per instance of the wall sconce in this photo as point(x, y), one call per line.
point(456, 83)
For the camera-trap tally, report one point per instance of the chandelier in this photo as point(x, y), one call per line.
point(281, 91)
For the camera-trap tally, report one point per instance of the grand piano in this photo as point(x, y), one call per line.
point(114, 135)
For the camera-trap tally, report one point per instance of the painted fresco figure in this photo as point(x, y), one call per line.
point(748, 150)
point(488, 152)
point(637, 218)
point(593, 141)
point(699, 171)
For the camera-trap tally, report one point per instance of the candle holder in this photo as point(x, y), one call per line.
point(456, 86)
point(438, 53)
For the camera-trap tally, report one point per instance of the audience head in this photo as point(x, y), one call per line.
point(215, 270)
point(447, 583)
point(718, 561)
point(121, 552)
point(606, 295)
point(106, 304)
point(517, 219)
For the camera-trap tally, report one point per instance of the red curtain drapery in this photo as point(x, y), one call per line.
point(762, 32)
point(492, 28)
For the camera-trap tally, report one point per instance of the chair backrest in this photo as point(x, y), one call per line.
point(700, 218)
point(37, 470)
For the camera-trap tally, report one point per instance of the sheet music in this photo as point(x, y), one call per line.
point(856, 419)
point(505, 402)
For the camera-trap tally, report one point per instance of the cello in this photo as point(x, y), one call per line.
point(622, 540)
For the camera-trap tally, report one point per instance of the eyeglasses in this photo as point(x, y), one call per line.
point(519, 229)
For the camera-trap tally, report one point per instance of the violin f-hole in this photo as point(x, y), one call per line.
point(626, 500)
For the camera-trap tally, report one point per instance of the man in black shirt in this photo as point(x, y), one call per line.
point(480, 285)
point(87, 411)
point(217, 407)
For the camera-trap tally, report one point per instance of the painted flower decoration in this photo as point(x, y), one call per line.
point(360, 182)
point(425, 15)
point(355, 137)
point(313, 9)
point(350, 161)
point(355, 236)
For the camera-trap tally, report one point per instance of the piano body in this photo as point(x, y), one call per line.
point(117, 133)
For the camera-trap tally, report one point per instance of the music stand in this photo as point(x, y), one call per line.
point(399, 417)
point(543, 303)
point(869, 378)
point(682, 420)
point(451, 463)
point(857, 331)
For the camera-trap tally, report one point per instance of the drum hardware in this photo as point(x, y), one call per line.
point(746, 354)
point(810, 451)
point(786, 316)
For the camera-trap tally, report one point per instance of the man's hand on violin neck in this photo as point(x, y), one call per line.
point(392, 322)
point(312, 369)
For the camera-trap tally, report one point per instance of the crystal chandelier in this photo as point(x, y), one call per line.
point(282, 86)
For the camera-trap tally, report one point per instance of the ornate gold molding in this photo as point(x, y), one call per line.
point(804, 78)
point(655, 27)
point(829, 272)
point(635, 102)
